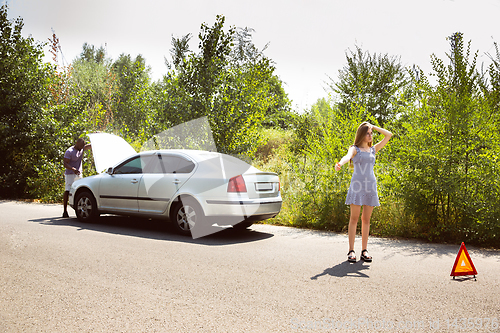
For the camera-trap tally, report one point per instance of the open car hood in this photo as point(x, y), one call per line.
point(108, 150)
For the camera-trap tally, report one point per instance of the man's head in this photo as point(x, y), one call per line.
point(80, 144)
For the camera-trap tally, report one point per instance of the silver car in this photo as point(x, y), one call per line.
point(196, 190)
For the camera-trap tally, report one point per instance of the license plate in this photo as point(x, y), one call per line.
point(263, 186)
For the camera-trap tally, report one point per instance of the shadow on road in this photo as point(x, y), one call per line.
point(155, 229)
point(345, 269)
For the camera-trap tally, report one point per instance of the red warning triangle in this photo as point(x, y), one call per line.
point(463, 264)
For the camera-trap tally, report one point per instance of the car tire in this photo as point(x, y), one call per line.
point(186, 215)
point(86, 207)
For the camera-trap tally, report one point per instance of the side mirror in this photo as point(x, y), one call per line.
point(110, 171)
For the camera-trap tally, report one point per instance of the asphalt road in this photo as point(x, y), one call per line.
point(130, 275)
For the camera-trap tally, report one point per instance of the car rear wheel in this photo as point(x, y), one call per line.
point(86, 207)
point(186, 216)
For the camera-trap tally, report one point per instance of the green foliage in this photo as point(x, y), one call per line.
point(48, 182)
point(91, 54)
point(23, 78)
point(275, 141)
point(279, 113)
point(179, 50)
point(448, 177)
point(492, 93)
point(233, 85)
point(96, 81)
point(134, 97)
point(373, 81)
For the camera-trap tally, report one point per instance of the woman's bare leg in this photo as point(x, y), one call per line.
point(365, 225)
point(353, 223)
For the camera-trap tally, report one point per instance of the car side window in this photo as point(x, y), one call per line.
point(174, 164)
point(154, 166)
point(133, 166)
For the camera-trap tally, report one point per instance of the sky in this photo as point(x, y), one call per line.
point(308, 39)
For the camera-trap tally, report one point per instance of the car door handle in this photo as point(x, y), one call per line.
point(134, 181)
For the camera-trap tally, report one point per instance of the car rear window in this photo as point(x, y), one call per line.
point(172, 164)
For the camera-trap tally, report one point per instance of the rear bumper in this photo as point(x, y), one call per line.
point(235, 220)
point(243, 209)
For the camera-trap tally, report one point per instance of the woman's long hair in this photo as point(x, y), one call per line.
point(360, 137)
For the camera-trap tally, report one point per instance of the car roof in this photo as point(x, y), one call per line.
point(196, 155)
point(231, 164)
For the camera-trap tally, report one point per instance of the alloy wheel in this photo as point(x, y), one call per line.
point(84, 207)
point(186, 218)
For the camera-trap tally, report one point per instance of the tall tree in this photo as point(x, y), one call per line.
point(244, 52)
point(370, 81)
point(91, 53)
point(133, 94)
point(447, 159)
point(23, 78)
point(179, 50)
point(94, 83)
point(233, 85)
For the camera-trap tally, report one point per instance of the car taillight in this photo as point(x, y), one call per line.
point(236, 184)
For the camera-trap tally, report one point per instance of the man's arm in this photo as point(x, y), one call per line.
point(87, 147)
point(69, 167)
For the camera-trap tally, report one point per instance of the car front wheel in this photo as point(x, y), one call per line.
point(186, 215)
point(86, 207)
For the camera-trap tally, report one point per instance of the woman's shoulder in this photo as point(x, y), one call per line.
point(354, 149)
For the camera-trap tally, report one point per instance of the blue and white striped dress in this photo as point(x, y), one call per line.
point(363, 188)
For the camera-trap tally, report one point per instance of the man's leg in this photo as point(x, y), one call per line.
point(68, 181)
point(66, 197)
point(65, 203)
